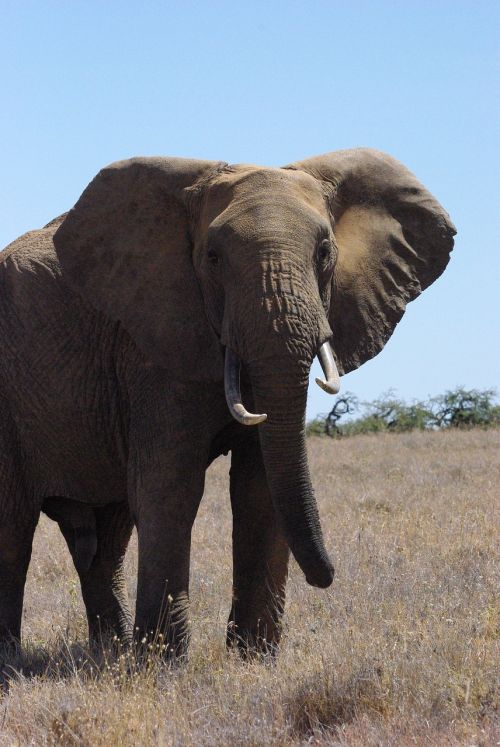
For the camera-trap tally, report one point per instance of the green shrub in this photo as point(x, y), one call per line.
point(465, 408)
point(389, 413)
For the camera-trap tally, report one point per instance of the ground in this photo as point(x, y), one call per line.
point(400, 651)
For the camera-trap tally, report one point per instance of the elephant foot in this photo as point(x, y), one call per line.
point(113, 633)
point(10, 650)
point(261, 642)
point(154, 648)
point(168, 640)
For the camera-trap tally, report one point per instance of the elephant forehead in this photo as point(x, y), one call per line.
point(254, 202)
point(248, 182)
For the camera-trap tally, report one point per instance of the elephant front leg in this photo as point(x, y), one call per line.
point(260, 555)
point(171, 429)
point(164, 525)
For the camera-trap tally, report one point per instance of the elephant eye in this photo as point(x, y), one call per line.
point(213, 257)
point(324, 252)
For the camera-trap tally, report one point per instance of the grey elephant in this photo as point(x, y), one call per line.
point(141, 334)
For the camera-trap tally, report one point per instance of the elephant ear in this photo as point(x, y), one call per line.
point(126, 248)
point(393, 240)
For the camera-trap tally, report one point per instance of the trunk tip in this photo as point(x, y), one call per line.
point(322, 578)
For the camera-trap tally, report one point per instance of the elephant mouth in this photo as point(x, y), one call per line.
point(232, 371)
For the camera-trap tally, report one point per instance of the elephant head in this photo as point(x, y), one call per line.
point(274, 265)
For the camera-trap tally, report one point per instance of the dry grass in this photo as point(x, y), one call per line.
point(401, 650)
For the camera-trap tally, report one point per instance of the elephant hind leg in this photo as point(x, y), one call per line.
point(102, 579)
point(18, 519)
point(15, 553)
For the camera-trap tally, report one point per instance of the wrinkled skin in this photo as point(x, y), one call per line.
point(113, 325)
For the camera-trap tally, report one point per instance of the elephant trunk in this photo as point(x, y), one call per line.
point(277, 344)
point(284, 451)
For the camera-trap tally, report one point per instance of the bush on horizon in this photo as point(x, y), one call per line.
point(456, 408)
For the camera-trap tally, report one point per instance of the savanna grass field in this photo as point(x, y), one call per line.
point(401, 650)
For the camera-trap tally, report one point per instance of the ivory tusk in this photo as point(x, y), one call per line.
point(332, 383)
point(232, 390)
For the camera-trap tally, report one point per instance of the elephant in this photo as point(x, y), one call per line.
point(171, 316)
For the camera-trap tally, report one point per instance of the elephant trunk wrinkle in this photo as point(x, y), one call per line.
point(276, 309)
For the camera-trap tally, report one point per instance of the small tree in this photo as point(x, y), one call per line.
point(327, 425)
point(345, 405)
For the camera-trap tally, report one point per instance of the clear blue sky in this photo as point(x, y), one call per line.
point(87, 83)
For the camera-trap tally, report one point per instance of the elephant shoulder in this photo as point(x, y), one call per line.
point(30, 279)
point(31, 252)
